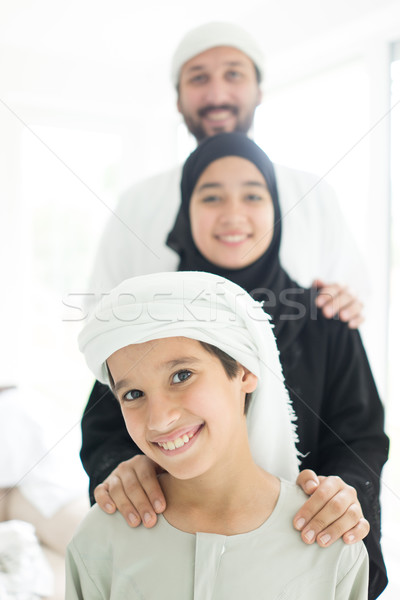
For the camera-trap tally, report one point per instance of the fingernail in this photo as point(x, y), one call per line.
point(325, 538)
point(350, 538)
point(300, 523)
point(310, 485)
point(109, 508)
point(310, 535)
point(147, 517)
point(158, 506)
point(132, 519)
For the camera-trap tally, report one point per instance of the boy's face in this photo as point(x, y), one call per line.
point(179, 406)
point(231, 213)
point(218, 91)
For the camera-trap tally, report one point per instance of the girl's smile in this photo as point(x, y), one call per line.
point(231, 213)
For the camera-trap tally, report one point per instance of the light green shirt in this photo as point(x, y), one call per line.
point(109, 560)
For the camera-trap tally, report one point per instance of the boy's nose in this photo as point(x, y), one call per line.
point(162, 413)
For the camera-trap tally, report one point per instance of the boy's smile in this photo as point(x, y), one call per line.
point(179, 405)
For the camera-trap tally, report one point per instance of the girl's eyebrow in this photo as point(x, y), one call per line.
point(220, 185)
point(209, 185)
point(257, 183)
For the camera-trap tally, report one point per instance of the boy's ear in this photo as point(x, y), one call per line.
point(249, 381)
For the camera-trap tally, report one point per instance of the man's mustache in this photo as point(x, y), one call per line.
point(210, 107)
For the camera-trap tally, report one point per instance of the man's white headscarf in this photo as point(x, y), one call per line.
point(211, 35)
point(210, 309)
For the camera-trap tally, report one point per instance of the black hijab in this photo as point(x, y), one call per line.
point(264, 279)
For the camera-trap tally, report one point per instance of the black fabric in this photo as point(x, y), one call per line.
point(340, 416)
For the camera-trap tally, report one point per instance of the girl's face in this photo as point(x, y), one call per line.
point(231, 213)
point(179, 406)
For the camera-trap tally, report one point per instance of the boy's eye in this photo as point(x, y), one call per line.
point(133, 395)
point(181, 376)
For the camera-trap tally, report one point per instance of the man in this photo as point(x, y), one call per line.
point(217, 69)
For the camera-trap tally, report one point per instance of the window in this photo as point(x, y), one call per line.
point(69, 186)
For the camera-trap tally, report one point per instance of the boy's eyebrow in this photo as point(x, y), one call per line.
point(182, 360)
point(120, 384)
point(170, 364)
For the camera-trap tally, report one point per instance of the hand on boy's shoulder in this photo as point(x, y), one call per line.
point(334, 299)
point(133, 489)
point(332, 511)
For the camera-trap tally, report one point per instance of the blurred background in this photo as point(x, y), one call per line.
point(87, 108)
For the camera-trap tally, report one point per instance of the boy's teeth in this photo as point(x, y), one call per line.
point(178, 443)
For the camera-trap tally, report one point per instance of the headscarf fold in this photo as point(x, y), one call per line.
point(210, 309)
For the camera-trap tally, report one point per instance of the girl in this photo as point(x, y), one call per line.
point(187, 354)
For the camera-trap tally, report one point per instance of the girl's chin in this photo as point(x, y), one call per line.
point(232, 265)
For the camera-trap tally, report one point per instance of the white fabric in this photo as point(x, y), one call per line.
point(29, 461)
point(108, 559)
point(211, 309)
point(211, 35)
point(24, 571)
point(315, 239)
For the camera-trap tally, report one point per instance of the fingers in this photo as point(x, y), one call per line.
point(308, 481)
point(134, 490)
point(334, 300)
point(110, 496)
point(145, 470)
point(331, 512)
point(130, 497)
point(352, 315)
point(357, 533)
point(103, 498)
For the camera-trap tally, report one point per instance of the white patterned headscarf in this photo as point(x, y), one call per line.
point(210, 309)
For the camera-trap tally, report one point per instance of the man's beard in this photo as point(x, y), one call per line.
point(195, 126)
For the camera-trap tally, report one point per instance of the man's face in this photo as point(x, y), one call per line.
point(218, 92)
